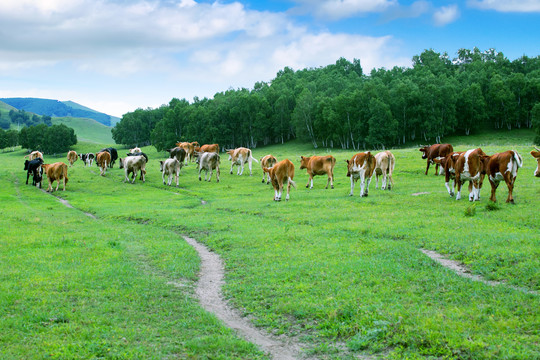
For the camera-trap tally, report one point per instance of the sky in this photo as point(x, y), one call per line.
point(115, 56)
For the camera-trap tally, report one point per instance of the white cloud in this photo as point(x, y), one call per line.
point(445, 15)
point(507, 5)
point(340, 9)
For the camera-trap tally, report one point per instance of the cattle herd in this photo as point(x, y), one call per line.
point(459, 166)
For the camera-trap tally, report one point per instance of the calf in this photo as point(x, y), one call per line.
point(208, 161)
point(281, 172)
point(87, 158)
point(319, 165)
point(34, 155)
point(267, 161)
point(503, 166)
point(536, 155)
point(34, 167)
point(72, 157)
point(470, 166)
point(239, 157)
point(103, 159)
point(170, 167)
point(133, 164)
point(361, 166)
point(448, 164)
point(435, 151)
point(114, 155)
point(56, 172)
point(384, 166)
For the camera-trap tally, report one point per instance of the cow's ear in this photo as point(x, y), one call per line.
point(347, 161)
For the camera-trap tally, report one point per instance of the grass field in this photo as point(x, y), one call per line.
point(87, 130)
point(324, 267)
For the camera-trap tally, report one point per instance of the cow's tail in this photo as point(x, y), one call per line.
point(391, 164)
point(292, 182)
point(65, 171)
point(252, 158)
point(518, 159)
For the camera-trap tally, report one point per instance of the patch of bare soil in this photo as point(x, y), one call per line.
point(462, 271)
point(420, 193)
point(66, 203)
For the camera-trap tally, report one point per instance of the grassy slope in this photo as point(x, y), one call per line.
point(74, 105)
point(87, 130)
point(324, 265)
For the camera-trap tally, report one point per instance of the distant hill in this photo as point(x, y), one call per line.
point(87, 130)
point(55, 108)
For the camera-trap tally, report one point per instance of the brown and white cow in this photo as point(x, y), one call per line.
point(503, 166)
point(240, 156)
point(267, 161)
point(448, 164)
point(56, 172)
point(208, 161)
point(170, 167)
point(361, 166)
point(133, 164)
point(281, 172)
point(319, 165)
point(72, 157)
point(188, 148)
point(384, 166)
point(34, 155)
point(209, 148)
point(470, 166)
point(536, 155)
point(435, 151)
point(103, 159)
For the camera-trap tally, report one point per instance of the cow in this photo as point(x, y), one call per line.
point(189, 148)
point(209, 148)
point(240, 156)
point(103, 159)
point(503, 166)
point(267, 161)
point(281, 172)
point(135, 150)
point(132, 164)
point(434, 151)
point(208, 161)
point(34, 167)
point(56, 172)
point(179, 154)
point(114, 155)
point(87, 158)
point(319, 165)
point(470, 166)
point(536, 155)
point(170, 167)
point(72, 157)
point(384, 166)
point(361, 166)
point(448, 164)
point(33, 155)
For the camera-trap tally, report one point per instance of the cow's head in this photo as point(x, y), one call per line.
point(121, 163)
point(26, 162)
point(230, 152)
point(197, 156)
point(424, 151)
point(304, 162)
point(161, 165)
point(440, 161)
point(536, 155)
point(349, 167)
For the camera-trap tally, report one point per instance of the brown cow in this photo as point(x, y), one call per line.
point(188, 148)
point(267, 161)
point(56, 172)
point(240, 156)
point(210, 148)
point(72, 157)
point(361, 166)
point(536, 155)
point(435, 151)
point(503, 166)
point(384, 165)
point(319, 165)
point(470, 166)
point(279, 173)
point(103, 159)
point(448, 164)
point(34, 155)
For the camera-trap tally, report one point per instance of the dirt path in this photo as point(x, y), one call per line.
point(462, 271)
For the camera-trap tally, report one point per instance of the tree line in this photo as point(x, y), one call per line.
point(23, 118)
point(47, 139)
point(340, 106)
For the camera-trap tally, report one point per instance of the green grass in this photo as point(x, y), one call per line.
point(87, 130)
point(324, 266)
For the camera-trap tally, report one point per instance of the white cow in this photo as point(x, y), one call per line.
point(170, 167)
point(208, 161)
point(385, 162)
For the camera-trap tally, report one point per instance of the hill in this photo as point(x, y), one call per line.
point(55, 108)
point(88, 130)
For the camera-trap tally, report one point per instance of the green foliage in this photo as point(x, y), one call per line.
point(536, 123)
point(48, 139)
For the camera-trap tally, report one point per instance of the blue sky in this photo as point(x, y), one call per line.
point(118, 55)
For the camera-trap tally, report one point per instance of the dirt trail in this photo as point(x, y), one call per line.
point(462, 271)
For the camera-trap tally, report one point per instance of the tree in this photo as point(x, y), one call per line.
point(58, 139)
point(536, 123)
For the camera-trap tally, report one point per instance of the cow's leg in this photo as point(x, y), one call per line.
point(458, 182)
point(510, 184)
point(288, 190)
point(240, 170)
point(332, 179)
point(177, 177)
point(27, 176)
point(250, 166)
point(328, 181)
point(427, 168)
point(352, 185)
point(232, 165)
point(64, 188)
point(163, 175)
point(199, 174)
point(275, 194)
point(436, 169)
point(494, 186)
point(447, 184)
point(383, 182)
point(368, 180)
point(280, 190)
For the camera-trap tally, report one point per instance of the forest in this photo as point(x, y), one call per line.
point(339, 106)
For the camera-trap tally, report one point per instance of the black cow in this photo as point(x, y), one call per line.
point(87, 158)
point(178, 153)
point(34, 167)
point(114, 155)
